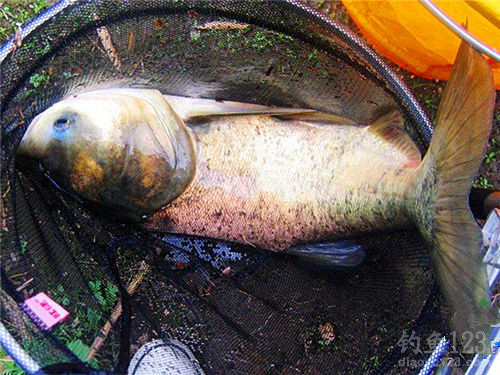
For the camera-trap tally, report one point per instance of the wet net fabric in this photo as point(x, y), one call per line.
point(240, 310)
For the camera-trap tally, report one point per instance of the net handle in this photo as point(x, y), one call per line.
point(18, 354)
point(460, 31)
point(32, 24)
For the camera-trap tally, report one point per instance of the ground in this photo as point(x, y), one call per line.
point(13, 13)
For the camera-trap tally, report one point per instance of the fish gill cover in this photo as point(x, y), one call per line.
point(239, 310)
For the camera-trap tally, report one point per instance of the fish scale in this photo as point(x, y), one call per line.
point(277, 183)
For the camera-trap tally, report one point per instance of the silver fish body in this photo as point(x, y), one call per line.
point(276, 183)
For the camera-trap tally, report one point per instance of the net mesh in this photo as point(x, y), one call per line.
point(240, 311)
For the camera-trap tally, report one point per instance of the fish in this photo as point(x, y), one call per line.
point(288, 180)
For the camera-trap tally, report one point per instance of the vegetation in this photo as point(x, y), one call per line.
point(8, 366)
point(14, 13)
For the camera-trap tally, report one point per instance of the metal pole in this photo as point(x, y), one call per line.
point(434, 358)
point(17, 353)
point(460, 31)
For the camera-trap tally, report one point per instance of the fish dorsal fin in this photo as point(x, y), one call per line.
point(390, 127)
point(321, 117)
point(196, 108)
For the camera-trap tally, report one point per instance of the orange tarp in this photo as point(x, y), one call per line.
point(408, 34)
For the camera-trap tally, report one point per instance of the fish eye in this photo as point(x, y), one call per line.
point(62, 123)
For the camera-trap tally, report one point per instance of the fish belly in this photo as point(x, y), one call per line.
point(274, 183)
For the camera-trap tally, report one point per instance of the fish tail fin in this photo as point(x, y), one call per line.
point(463, 126)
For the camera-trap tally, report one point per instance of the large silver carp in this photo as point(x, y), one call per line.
point(282, 179)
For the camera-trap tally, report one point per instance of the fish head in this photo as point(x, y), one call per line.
point(120, 148)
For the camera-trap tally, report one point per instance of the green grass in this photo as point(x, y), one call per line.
point(14, 13)
point(7, 365)
point(81, 350)
point(372, 362)
point(482, 182)
point(106, 294)
point(39, 80)
point(493, 155)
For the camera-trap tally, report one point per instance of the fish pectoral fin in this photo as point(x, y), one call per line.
point(334, 256)
point(195, 108)
point(390, 127)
